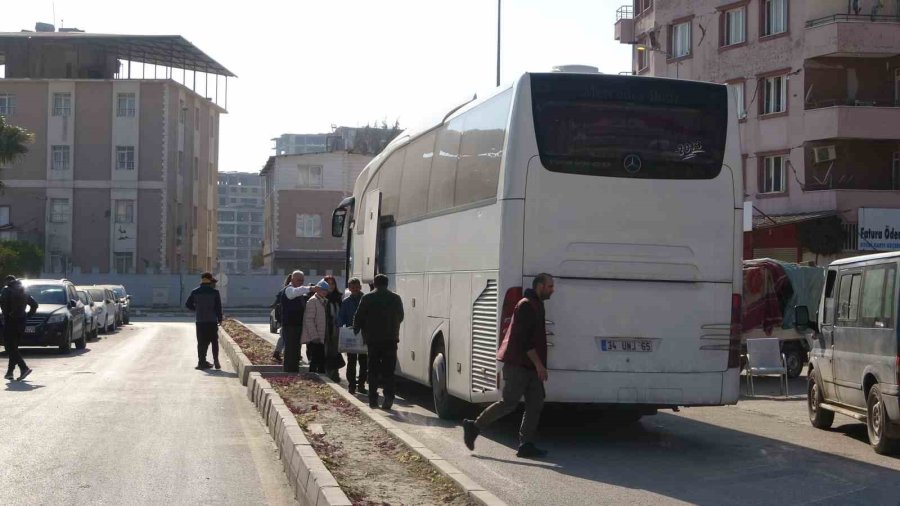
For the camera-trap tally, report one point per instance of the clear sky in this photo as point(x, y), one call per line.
point(305, 65)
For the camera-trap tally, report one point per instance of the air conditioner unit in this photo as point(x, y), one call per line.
point(824, 154)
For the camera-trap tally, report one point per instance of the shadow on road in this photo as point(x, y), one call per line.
point(48, 353)
point(21, 386)
point(220, 374)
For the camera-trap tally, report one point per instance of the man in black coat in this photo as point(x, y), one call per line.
point(13, 301)
point(379, 317)
point(293, 304)
point(207, 304)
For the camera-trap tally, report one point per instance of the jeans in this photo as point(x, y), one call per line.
point(207, 333)
point(518, 382)
point(12, 335)
point(363, 359)
point(382, 362)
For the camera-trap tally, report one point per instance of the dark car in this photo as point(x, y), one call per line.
point(123, 300)
point(59, 320)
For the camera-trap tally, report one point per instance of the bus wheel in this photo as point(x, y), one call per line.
point(445, 405)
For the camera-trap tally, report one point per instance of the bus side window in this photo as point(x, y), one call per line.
point(481, 150)
point(416, 172)
point(442, 184)
point(389, 183)
point(828, 317)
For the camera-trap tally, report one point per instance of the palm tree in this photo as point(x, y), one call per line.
point(13, 142)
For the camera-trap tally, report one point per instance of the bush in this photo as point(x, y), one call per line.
point(20, 258)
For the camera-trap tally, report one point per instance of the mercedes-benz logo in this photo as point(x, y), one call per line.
point(632, 163)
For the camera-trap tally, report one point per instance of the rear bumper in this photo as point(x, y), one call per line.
point(649, 389)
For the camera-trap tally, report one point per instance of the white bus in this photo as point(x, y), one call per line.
point(628, 190)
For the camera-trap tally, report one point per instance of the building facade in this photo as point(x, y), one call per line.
point(121, 176)
point(241, 222)
point(818, 90)
point(301, 191)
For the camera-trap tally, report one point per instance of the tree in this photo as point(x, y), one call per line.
point(824, 236)
point(13, 142)
point(370, 140)
point(20, 258)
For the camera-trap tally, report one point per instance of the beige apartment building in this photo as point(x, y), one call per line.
point(301, 191)
point(818, 87)
point(122, 173)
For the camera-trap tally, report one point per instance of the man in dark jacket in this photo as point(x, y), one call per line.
point(293, 305)
point(13, 301)
point(345, 319)
point(379, 317)
point(206, 303)
point(524, 356)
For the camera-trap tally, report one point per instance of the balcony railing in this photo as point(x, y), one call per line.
point(846, 102)
point(852, 18)
point(624, 12)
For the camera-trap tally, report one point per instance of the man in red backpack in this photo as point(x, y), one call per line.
point(524, 356)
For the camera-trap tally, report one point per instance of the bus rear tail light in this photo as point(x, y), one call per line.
point(513, 296)
point(734, 336)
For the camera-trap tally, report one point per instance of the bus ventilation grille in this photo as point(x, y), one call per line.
point(484, 340)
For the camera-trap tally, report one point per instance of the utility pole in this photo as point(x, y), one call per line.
point(498, 42)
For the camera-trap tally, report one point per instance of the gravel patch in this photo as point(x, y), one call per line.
point(258, 350)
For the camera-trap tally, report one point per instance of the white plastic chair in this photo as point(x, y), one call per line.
point(764, 358)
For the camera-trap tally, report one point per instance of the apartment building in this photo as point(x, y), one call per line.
point(818, 87)
point(121, 176)
point(301, 191)
point(240, 222)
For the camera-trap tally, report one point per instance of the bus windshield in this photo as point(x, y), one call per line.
point(629, 127)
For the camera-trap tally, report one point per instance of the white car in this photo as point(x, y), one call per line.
point(92, 314)
point(106, 303)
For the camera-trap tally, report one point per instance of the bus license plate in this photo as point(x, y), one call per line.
point(628, 345)
point(30, 330)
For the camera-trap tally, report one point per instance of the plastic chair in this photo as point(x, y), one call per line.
point(764, 358)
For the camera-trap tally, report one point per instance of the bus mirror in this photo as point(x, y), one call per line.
point(337, 222)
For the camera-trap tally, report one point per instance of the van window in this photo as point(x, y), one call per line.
point(848, 309)
point(828, 317)
point(878, 297)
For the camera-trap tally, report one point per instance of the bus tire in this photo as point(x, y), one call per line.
point(445, 405)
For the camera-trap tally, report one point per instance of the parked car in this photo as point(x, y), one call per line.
point(121, 298)
point(103, 298)
point(855, 357)
point(59, 320)
point(92, 314)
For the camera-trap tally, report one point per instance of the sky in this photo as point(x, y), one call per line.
point(306, 65)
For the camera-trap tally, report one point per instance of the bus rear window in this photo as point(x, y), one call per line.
point(629, 127)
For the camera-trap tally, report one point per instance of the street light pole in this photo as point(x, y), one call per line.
point(498, 42)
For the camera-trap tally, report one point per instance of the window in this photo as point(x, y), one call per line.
point(124, 211)
point(226, 229)
point(4, 215)
point(848, 301)
point(642, 5)
point(895, 171)
point(60, 157)
point(7, 104)
point(243, 229)
point(123, 262)
point(773, 174)
point(738, 92)
point(642, 58)
point(878, 297)
point(481, 150)
point(774, 17)
point(62, 104)
point(416, 171)
point(309, 225)
point(442, 184)
point(735, 26)
point(124, 157)
point(59, 210)
point(681, 40)
point(125, 105)
point(774, 94)
point(309, 176)
point(389, 184)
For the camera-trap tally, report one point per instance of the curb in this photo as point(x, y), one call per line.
point(307, 475)
point(241, 363)
point(473, 490)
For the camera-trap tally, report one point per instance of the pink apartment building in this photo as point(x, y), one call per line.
point(818, 83)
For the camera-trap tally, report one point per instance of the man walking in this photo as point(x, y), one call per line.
point(378, 317)
point(293, 305)
point(206, 303)
point(13, 301)
point(524, 356)
point(345, 319)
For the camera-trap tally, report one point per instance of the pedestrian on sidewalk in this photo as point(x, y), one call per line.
point(334, 361)
point(207, 306)
point(345, 319)
point(379, 316)
point(523, 352)
point(13, 301)
point(315, 322)
point(279, 345)
point(293, 307)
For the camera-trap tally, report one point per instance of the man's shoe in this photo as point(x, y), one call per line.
point(216, 365)
point(529, 451)
point(9, 376)
point(203, 366)
point(25, 374)
point(470, 432)
point(362, 388)
point(277, 356)
point(352, 388)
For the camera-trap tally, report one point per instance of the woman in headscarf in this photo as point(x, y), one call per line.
point(334, 361)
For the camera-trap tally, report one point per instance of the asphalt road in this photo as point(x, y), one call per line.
point(129, 421)
point(762, 451)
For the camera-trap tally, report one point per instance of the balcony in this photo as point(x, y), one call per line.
point(852, 122)
point(625, 25)
point(852, 35)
